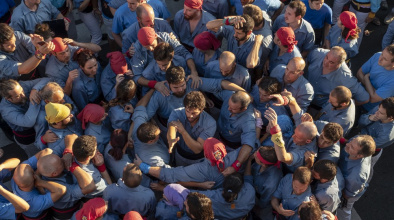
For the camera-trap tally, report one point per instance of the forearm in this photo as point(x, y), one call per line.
point(194, 145)
point(373, 97)
point(93, 47)
point(10, 164)
point(244, 153)
point(192, 66)
point(113, 10)
point(253, 58)
point(83, 5)
point(29, 65)
point(282, 155)
point(214, 25)
point(68, 87)
point(248, 169)
point(118, 39)
point(155, 172)
point(191, 184)
point(294, 107)
point(106, 177)
point(227, 85)
point(275, 203)
point(145, 100)
point(327, 28)
point(83, 178)
point(57, 190)
point(142, 81)
point(305, 53)
point(360, 76)
point(19, 204)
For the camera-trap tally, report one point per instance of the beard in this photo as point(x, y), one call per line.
point(335, 107)
point(179, 94)
point(71, 122)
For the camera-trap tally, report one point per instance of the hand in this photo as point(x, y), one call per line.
point(97, 11)
point(98, 159)
point(172, 36)
point(129, 108)
point(137, 160)
point(259, 38)
point(195, 80)
point(73, 74)
point(309, 158)
point(287, 94)
point(329, 215)
point(46, 48)
point(70, 41)
point(285, 212)
point(162, 88)
point(179, 126)
point(373, 117)
point(207, 184)
point(306, 117)
point(271, 116)
point(37, 180)
point(67, 160)
point(69, 5)
point(50, 137)
point(368, 19)
point(131, 50)
point(129, 73)
point(157, 187)
point(237, 21)
point(119, 78)
point(70, 139)
point(279, 99)
point(66, 24)
point(35, 39)
point(35, 97)
point(257, 113)
point(228, 171)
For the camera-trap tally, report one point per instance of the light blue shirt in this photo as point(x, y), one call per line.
point(7, 210)
point(217, 8)
point(85, 89)
point(388, 37)
point(344, 117)
point(199, 60)
point(328, 153)
point(268, 40)
point(108, 82)
point(119, 118)
point(102, 133)
point(115, 166)
point(336, 39)
point(328, 194)
point(276, 60)
point(100, 183)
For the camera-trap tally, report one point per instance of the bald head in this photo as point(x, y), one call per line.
point(241, 97)
point(23, 176)
point(50, 165)
point(227, 58)
point(339, 52)
point(52, 92)
point(308, 129)
point(145, 15)
point(298, 62)
point(132, 175)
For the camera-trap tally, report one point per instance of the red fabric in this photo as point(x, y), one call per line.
point(349, 20)
point(117, 62)
point(146, 36)
point(92, 209)
point(206, 41)
point(91, 113)
point(287, 38)
point(275, 129)
point(132, 215)
point(212, 146)
point(195, 4)
point(262, 160)
point(152, 83)
point(59, 45)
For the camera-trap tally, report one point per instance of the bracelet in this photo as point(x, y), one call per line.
point(42, 140)
point(144, 168)
point(259, 122)
point(68, 151)
point(274, 130)
point(67, 19)
point(39, 55)
point(277, 140)
point(73, 167)
point(236, 165)
point(152, 83)
point(101, 168)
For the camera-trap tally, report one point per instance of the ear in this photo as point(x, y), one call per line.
point(308, 141)
point(299, 17)
point(249, 33)
point(301, 72)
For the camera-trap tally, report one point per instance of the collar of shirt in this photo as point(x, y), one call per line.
point(96, 128)
point(25, 10)
point(84, 77)
point(122, 185)
point(8, 55)
point(296, 84)
point(302, 28)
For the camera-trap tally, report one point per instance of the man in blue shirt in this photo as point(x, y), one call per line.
point(319, 15)
point(217, 8)
point(388, 37)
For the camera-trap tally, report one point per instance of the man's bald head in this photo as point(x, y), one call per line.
point(227, 58)
point(308, 129)
point(299, 63)
point(50, 165)
point(241, 97)
point(24, 176)
point(145, 15)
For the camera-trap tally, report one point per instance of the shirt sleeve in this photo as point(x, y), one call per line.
point(117, 27)
point(79, 94)
point(194, 172)
point(8, 68)
point(18, 118)
point(367, 66)
point(278, 192)
point(7, 211)
point(210, 85)
point(209, 129)
point(388, 37)
point(41, 202)
point(32, 161)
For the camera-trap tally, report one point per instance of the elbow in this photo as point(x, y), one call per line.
point(374, 98)
point(23, 208)
point(251, 65)
point(89, 188)
point(61, 190)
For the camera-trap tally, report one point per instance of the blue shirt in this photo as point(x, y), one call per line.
point(305, 35)
point(217, 8)
point(375, 4)
point(344, 117)
point(269, 6)
point(100, 183)
point(7, 210)
point(388, 37)
point(166, 212)
point(381, 79)
point(276, 60)
point(199, 60)
point(324, 84)
point(182, 27)
point(328, 194)
point(317, 18)
point(108, 82)
point(336, 39)
point(116, 3)
point(328, 153)
point(119, 118)
point(25, 20)
point(266, 32)
point(115, 166)
point(86, 89)
point(102, 133)
point(5, 7)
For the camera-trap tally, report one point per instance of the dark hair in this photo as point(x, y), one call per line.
point(83, 55)
point(175, 75)
point(255, 13)
point(84, 147)
point(147, 132)
point(333, 131)
point(367, 144)
point(241, 97)
point(200, 206)
point(6, 86)
point(302, 175)
point(194, 100)
point(326, 169)
point(390, 49)
point(163, 52)
point(342, 94)
point(118, 140)
point(388, 104)
point(310, 211)
point(6, 33)
point(299, 6)
point(132, 175)
point(270, 85)
point(44, 31)
point(351, 37)
point(232, 185)
point(248, 25)
point(125, 92)
point(49, 89)
point(268, 153)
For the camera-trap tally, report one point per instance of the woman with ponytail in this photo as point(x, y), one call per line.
point(207, 50)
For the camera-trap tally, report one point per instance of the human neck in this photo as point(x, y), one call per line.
point(295, 25)
point(32, 7)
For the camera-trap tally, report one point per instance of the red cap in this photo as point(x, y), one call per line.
point(59, 45)
point(92, 209)
point(215, 151)
point(117, 62)
point(91, 113)
point(132, 215)
point(349, 20)
point(146, 36)
point(287, 38)
point(206, 41)
point(195, 4)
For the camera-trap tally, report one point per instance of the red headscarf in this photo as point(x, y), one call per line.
point(349, 20)
point(195, 4)
point(91, 210)
point(287, 38)
point(132, 215)
point(146, 36)
point(262, 160)
point(215, 151)
point(206, 41)
point(59, 45)
point(117, 62)
point(91, 113)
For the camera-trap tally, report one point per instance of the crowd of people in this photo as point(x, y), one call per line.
point(176, 125)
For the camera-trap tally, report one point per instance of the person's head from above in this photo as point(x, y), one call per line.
point(304, 133)
point(132, 175)
point(302, 177)
point(215, 151)
point(239, 102)
point(348, 23)
point(84, 148)
point(316, 4)
point(87, 62)
point(32, 2)
point(132, 215)
point(50, 166)
point(117, 62)
point(148, 133)
point(198, 206)
point(194, 103)
point(294, 69)
point(12, 91)
point(163, 55)
point(267, 87)
point(360, 147)
point(385, 111)
point(243, 33)
point(246, 2)
point(52, 92)
point(92, 113)
point(285, 39)
point(206, 41)
point(175, 76)
point(175, 195)
point(145, 15)
point(265, 156)
point(24, 177)
point(125, 92)
point(119, 143)
point(192, 9)
point(227, 63)
point(133, 4)
point(340, 97)
point(324, 170)
point(232, 185)
point(334, 58)
point(62, 51)
point(94, 209)
point(386, 59)
point(44, 31)
point(295, 11)
point(256, 14)
point(58, 115)
point(330, 135)
point(7, 38)
point(309, 211)
point(148, 38)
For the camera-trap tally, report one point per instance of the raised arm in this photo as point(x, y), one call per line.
point(253, 58)
point(93, 47)
point(19, 204)
point(10, 164)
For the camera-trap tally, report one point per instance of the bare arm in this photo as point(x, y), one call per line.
point(118, 39)
point(106, 177)
point(279, 207)
point(83, 5)
point(19, 204)
point(93, 47)
point(253, 57)
point(327, 28)
point(171, 137)
point(374, 97)
point(227, 85)
point(10, 164)
point(214, 25)
point(85, 181)
point(57, 190)
point(277, 12)
point(145, 100)
point(360, 76)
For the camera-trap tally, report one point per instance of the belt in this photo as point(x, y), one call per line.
point(361, 7)
point(25, 137)
point(42, 216)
